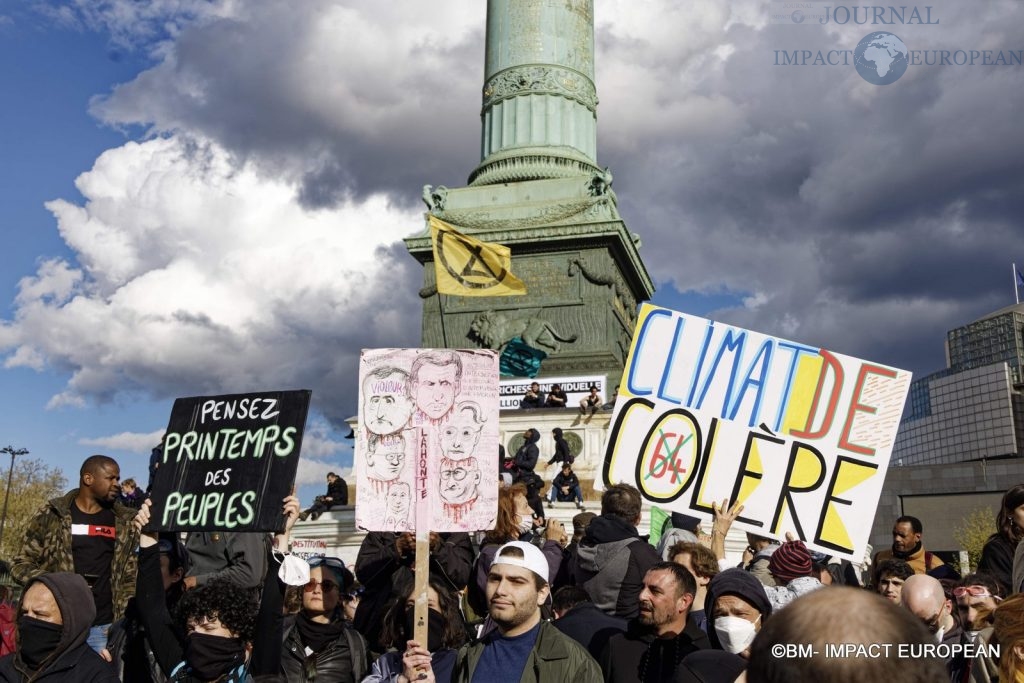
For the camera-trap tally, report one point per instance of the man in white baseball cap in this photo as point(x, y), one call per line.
point(523, 648)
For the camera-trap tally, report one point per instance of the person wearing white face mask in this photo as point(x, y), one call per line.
point(739, 607)
point(924, 597)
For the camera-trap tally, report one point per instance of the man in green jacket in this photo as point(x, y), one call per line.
point(523, 648)
point(88, 532)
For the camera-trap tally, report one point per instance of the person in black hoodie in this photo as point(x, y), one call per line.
point(612, 558)
point(562, 453)
point(54, 617)
point(526, 456)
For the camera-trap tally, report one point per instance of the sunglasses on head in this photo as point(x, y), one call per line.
point(332, 562)
point(974, 591)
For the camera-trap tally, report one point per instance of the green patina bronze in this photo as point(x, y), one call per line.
point(539, 190)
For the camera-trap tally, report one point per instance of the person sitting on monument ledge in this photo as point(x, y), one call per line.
point(533, 398)
point(556, 397)
point(337, 494)
point(590, 403)
point(566, 488)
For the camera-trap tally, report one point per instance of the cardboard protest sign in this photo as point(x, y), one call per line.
point(800, 435)
point(427, 444)
point(227, 462)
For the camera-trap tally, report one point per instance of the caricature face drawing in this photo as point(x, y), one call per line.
point(435, 383)
point(387, 401)
point(398, 502)
point(459, 437)
point(385, 457)
point(459, 480)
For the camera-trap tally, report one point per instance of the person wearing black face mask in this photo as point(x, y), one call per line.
point(446, 633)
point(228, 638)
point(54, 617)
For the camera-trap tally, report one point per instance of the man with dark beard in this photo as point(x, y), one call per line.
point(656, 641)
point(88, 532)
point(523, 647)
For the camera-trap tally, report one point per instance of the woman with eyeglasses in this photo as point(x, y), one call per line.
point(408, 660)
point(318, 645)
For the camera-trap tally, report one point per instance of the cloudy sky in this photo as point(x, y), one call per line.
point(203, 197)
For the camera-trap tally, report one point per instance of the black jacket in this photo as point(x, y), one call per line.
point(169, 650)
point(73, 659)
point(338, 492)
point(997, 561)
point(381, 570)
point(590, 627)
point(562, 480)
point(637, 656)
point(526, 456)
point(610, 564)
point(562, 453)
point(346, 660)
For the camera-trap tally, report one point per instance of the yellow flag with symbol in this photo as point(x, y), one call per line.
point(465, 266)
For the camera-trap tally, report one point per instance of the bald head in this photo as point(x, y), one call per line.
point(867, 619)
point(922, 593)
point(923, 597)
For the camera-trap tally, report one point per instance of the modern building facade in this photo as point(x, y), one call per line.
point(973, 409)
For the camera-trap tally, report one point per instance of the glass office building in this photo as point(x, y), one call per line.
point(973, 409)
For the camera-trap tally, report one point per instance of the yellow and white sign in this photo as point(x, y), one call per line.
point(800, 435)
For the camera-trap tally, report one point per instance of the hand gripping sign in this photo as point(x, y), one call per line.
point(427, 448)
point(798, 434)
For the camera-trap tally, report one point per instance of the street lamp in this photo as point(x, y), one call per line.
point(10, 476)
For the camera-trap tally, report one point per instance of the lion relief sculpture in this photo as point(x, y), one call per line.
point(495, 330)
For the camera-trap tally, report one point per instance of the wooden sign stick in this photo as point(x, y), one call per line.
point(422, 567)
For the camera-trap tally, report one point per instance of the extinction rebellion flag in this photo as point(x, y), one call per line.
point(465, 266)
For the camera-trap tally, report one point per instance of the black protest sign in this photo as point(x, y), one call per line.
point(227, 462)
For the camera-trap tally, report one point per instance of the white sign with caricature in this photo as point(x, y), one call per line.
point(428, 439)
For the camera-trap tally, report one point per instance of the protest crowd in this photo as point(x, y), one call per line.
point(102, 599)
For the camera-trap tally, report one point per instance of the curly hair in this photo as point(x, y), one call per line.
point(219, 599)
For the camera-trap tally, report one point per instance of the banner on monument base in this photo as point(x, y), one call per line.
point(798, 434)
point(228, 462)
point(427, 444)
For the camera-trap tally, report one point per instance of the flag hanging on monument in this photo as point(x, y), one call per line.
point(465, 266)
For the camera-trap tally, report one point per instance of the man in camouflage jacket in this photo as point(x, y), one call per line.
point(47, 543)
